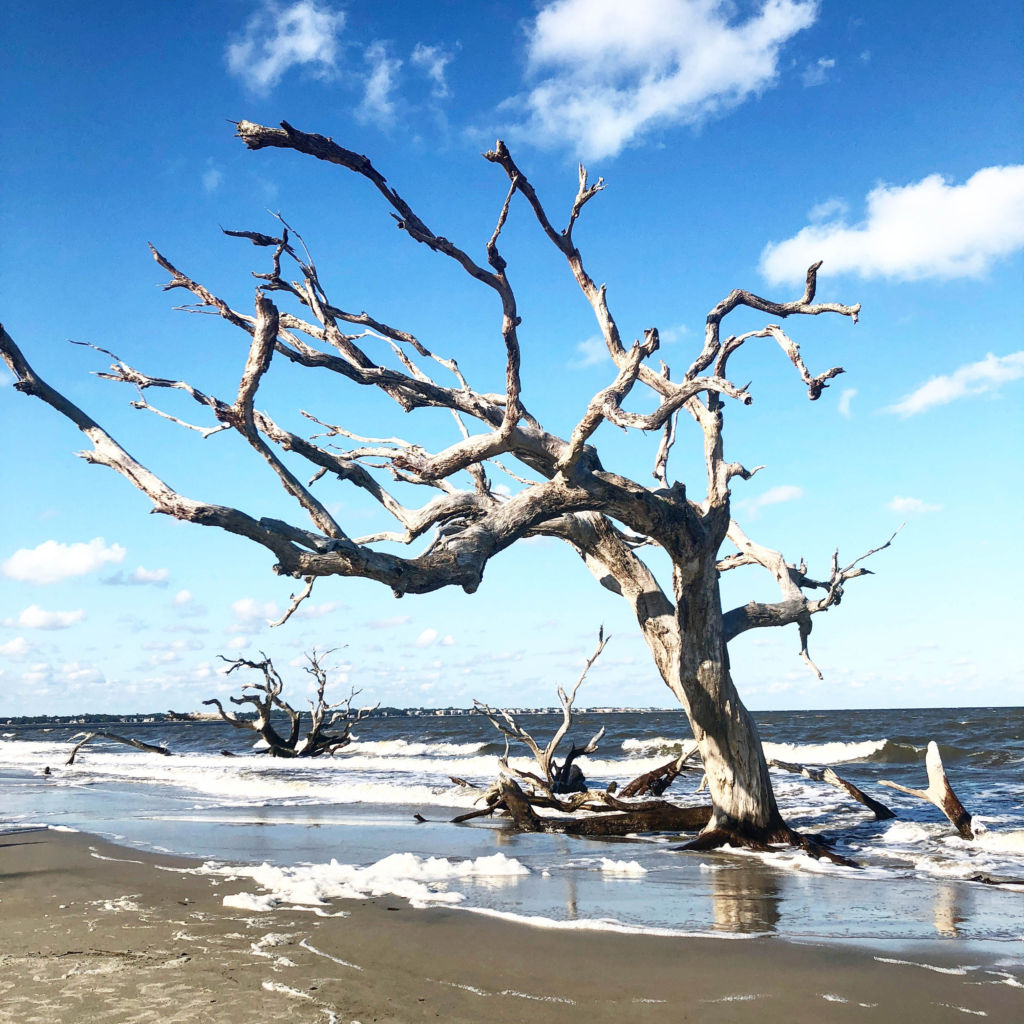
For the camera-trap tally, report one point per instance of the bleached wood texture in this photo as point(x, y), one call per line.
point(559, 487)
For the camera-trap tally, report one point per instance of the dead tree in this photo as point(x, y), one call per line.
point(880, 811)
point(559, 486)
point(265, 697)
point(940, 793)
point(87, 737)
point(657, 780)
point(555, 778)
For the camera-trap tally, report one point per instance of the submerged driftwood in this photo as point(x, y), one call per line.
point(880, 811)
point(940, 793)
point(151, 748)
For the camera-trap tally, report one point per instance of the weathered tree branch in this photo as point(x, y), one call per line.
point(880, 811)
point(564, 489)
point(150, 748)
point(940, 793)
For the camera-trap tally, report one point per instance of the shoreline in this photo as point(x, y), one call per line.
point(93, 931)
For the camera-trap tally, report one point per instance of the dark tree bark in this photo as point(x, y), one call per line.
point(559, 487)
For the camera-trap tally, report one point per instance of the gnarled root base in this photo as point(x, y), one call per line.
point(611, 818)
point(765, 840)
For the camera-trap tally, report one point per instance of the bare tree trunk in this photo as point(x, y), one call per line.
point(728, 740)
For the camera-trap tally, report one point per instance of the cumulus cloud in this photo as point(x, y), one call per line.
point(34, 617)
point(972, 379)
point(140, 577)
point(16, 648)
point(609, 72)
point(252, 615)
point(378, 104)
point(182, 598)
point(910, 506)
point(773, 496)
point(53, 561)
point(927, 229)
point(426, 638)
point(278, 38)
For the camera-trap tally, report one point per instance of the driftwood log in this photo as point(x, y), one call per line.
point(621, 819)
point(657, 780)
point(880, 811)
point(940, 793)
point(87, 737)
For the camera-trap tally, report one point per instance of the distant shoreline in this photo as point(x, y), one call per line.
point(157, 717)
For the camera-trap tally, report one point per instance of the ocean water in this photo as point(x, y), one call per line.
point(315, 832)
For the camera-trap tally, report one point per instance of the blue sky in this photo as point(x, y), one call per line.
point(739, 142)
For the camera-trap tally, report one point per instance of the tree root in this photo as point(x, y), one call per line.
point(765, 841)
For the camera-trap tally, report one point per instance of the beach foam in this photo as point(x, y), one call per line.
point(421, 881)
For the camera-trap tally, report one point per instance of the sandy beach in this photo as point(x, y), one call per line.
point(101, 933)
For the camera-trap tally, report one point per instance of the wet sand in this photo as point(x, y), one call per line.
point(92, 932)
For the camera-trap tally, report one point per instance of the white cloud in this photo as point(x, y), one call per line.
point(52, 561)
point(278, 38)
point(395, 620)
point(16, 648)
point(973, 379)
point(252, 615)
point(817, 73)
point(827, 210)
point(182, 598)
point(845, 399)
point(432, 60)
point(927, 229)
point(318, 611)
point(212, 178)
point(614, 71)
point(426, 638)
point(139, 577)
point(671, 335)
point(34, 617)
point(378, 106)
point(773, 496)
point(590, 353)
point(911, 506)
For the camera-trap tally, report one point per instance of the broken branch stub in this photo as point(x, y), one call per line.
point(940, 793)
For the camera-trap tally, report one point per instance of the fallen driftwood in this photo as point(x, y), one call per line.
point(657, 780)
point(151, 748)
point(880, 811)
point(940, 793)
point(619, 819)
